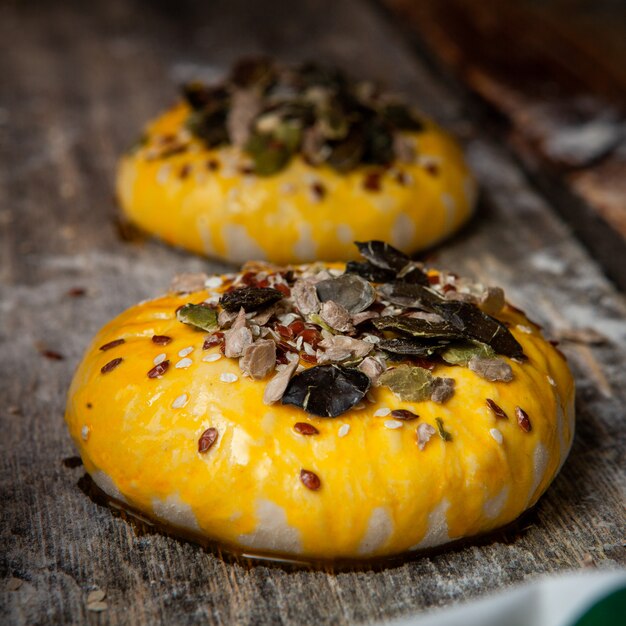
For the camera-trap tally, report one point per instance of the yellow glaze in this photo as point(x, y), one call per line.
point(279, 218)
point(380, 494)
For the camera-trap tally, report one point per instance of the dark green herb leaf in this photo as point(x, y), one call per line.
point(409, 383)
point(402, 117)
point(462, 353)
point(378, 144)
point(413, 275)
point(210, 127)
point(370, 272)
point(327, 390)
point(250, 298)
point(350, 291)
point(271, 152)
point(443, 433)
point(417, 327)
point(346, 154)
point(383, 255)
point(471, 321)
point(198, 315)
point(411, 347)
point(412, 296)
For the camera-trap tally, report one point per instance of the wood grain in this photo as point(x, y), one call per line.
point(77, 84)
point(552, 79)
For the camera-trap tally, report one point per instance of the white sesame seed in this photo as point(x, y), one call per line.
point(552, 381)
point(227, 377)
point(180, 402)
point(211, 358)
point(186, 351)
point(183, 364)
point(287, 188)
point(344, 430)
point(308, 348)
point(496, 434)
point(371, 338)
point(159, 358)
point(84, 432)
point(299, 342)
point(393, 424)
point(383, 412)
point(287, 318)
point(525, 329)
point(213, 282)
point(164, 173)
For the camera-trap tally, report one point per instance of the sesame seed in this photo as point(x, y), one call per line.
point(84, 432)
point(344, 430)
point(180, 402)
point(382, 412)
point(213, 282)
point(186, 351)
point(227, 377)
point(393, 424)
point(496, 434)
point(211, 358)
point(525, 329)
point(552, 381)
point(183, 364)
point(159, 358)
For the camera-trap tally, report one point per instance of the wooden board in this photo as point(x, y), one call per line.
point(77, 82)
point(550, 81)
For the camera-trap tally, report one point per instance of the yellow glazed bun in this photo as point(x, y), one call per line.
point(293, 168)
point(395, 452)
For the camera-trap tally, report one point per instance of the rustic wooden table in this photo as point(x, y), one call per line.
point(77, 80)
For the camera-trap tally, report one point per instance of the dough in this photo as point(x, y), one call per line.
point(218, 187)
point(395, 452)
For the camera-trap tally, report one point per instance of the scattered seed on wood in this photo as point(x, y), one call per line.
point(522, 419)
point(53, 355)
point(97, 595)
point(111, 365)
point(161, 340)
point(207, 439)
point(158, 370)
point(112, 344)
point(497, 410)
point(76, 292)
point(310, 480)
point(97, 607)
point(305, 429)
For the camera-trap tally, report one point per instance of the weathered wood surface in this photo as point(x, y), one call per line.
point(555, 73)
point(77, 81)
